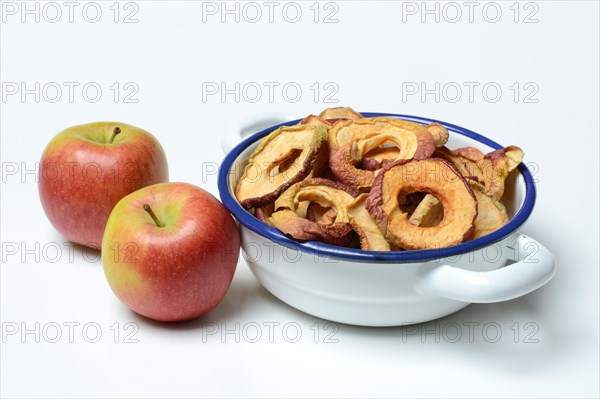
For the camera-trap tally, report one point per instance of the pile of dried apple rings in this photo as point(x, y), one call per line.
point(377, 184)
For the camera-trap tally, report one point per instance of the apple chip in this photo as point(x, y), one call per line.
point(363, 224)
point(287, 200)
point(350, 141)
point(440, 134)
point(284, 157)
point(303, 229)
point(384, 155)
point(490, 169)
point(339, 113)
point(262, 213)
point(333, 224)
point(491, 214)
point(378, 158)
point(495, 167)
point(319, 214)
point(466, 166)
point(470, 153)
point(312, 120)
point(433, 176)
point(428, 213)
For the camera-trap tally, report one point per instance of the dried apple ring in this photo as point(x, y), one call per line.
point(428, 213)
point(312, 120)
point(262, 213)
point(467, 167)
point(491, 213)
point(303, 229)
point(350, 141)
point(283, 158)
point(440, 133)
point(378, 158)
point(470, 153)
point(327, 194)
point(495, 167)
point(286, 199)
point(339, 113)
point(383, 156)
point(433, 176)
point(319, 214)
point(363, 224)
point(490, 169)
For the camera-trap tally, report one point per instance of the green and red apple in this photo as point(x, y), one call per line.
point(86, 169)
point(170, 251)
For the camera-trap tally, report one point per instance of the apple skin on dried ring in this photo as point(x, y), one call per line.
point(489, 169)
point(350, 141)
point(330, 116)
point(491, 213)
point(284, 157)
point(291, 208)
point(369, 235)
point(434, 176)
point(381, 157)
point(339, 113)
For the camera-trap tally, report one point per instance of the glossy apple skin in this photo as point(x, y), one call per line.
point(176, 272)
point(82, 176)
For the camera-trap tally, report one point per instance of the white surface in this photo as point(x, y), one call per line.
point(368, 54)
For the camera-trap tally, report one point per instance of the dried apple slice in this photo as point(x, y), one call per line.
point(433, 176)
point(319, 214)
point(490, 169)
point(378, 158)
point(363, 224)
point(350, 141)
point(328, 195)
point(496, 166)
point(263, 213)
point(286, 199)
point(283, 158)
point(303, 229)
point(491, 213)
point(428, 213)
point(470, 153)
point(467, 167)
point(312, 120)
point(440, 133)
point(364, 128)
point(289, 198)
point(382, 156)
point(338, 113)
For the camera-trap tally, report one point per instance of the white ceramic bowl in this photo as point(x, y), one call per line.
point(373, 288)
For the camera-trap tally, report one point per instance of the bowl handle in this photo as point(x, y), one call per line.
point(534, 266)
point(254, 124)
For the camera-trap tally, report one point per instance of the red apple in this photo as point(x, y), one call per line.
point(170, 251)
point(85, 170)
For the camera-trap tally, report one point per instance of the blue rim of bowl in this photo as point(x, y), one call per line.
point(359, 255)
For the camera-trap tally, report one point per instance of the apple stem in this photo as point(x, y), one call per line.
point(153, 215)
point(115, 132)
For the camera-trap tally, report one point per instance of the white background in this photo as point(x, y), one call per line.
point(370, 57)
